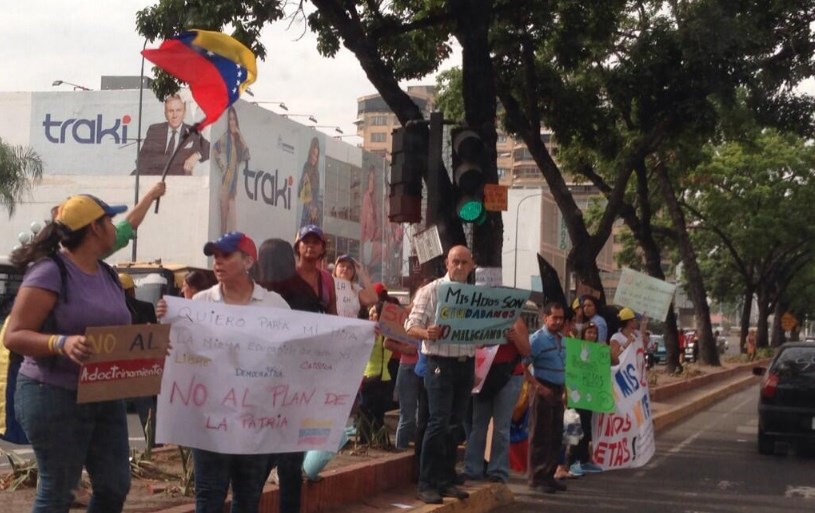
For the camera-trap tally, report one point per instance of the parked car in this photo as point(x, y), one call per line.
point(656, 350)
point(786, 407)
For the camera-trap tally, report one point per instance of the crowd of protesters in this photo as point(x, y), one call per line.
point(68, 288)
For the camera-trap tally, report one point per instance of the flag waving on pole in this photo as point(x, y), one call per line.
point(217, 67)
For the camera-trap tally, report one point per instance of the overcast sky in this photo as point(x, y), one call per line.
point(47, 40)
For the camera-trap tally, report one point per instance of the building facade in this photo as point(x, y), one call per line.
point(254, 171)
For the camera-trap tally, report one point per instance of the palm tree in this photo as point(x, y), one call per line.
point(20, 167)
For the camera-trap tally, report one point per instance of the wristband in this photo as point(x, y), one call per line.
point(51, 344)
point(60, 345)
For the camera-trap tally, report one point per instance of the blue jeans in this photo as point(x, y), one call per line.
point(449, 382)
point(407, 388)
point(65, 437)
point(499, 408)
point(215, 471)
point(289, 479)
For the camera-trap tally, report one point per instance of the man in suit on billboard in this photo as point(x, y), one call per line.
point(162, 139)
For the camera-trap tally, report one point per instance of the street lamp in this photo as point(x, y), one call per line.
point(336, 128)
point(280, 105)
point(517, 210)
point(309, 116)
point(75, 86)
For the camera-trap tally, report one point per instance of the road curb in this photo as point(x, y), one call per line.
point(667, 418)
point(483, 499)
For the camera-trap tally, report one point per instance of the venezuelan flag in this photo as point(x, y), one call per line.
point(217, 67)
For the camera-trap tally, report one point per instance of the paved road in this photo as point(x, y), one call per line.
point(707, 464)
point(25, 452)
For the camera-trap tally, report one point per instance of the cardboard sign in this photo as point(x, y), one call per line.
point(392, 324)
point(625, 437)
point(128, 361)
point(469, 314)
point(644, 294)
point(495, 197)
point(588, 379)
point(253, 380)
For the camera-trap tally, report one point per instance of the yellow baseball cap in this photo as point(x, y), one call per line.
point(81, 210)
point(626, 314)
point(576, 303)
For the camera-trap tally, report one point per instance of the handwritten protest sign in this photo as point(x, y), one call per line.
point(484, 356)
point(625, 438)
point(644, 294)
point(392, 324)
point(127, 361)
point(249, 380)
point(469, 314)
point(588, 379)
point(347, 298)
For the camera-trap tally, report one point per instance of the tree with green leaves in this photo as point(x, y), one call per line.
point(630, 82)
point(20, 167)
point(751, 204)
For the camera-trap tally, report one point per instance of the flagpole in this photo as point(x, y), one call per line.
point(178, 146)
point(138, 153)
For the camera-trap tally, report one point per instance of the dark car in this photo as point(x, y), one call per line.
point(786, 406)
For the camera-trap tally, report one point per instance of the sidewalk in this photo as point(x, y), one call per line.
point(670, 404)
point(385, 485)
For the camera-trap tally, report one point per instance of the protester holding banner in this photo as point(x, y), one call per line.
point(548, 359)
point(448, 381)
point(496, 401)
point(234, 254)
point(276, 271)
point(63, 293)
point(309, 247)
point(581, 455)
point(628, 334)
point(351, 296)
point(408, 387)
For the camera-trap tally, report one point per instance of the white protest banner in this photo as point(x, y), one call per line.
point(250, 380)
point(625, 438)
point(644, 294)
point(469, 314)
point(347, 298)
point(484, 356)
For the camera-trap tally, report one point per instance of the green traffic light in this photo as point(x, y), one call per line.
point(470, 210)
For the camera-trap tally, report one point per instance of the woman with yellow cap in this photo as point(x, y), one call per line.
point(67, 289)
point(628, 334)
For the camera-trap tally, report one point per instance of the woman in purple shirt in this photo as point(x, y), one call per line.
point(67, 289)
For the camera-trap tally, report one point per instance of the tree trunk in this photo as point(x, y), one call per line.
point(708, 352)
point(777, 337)
point(746, 309)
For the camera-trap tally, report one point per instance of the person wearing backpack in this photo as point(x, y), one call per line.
point(66, 290)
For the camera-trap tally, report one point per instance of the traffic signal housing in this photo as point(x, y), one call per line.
point(469, 160)
point(408, 164)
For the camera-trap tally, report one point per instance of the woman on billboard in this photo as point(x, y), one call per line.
point(370, 230)
point(231, 154)
point(308, 190)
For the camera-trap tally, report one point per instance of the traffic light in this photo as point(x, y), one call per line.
point(408, 162)
point(469, 158)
